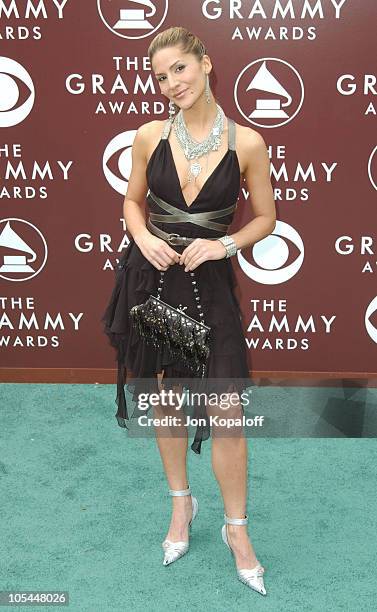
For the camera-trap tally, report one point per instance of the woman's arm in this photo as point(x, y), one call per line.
point(157, 251)
point(257, 175)
point(137, 185)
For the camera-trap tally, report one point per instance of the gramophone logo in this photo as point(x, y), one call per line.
point(118, 154)
point(125, 19)
point(10, 92)
point(23, 250)
point(271, 253)
point(370, 311)
point(269, 92)
point(372, 170)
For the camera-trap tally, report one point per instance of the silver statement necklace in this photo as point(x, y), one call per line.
point(193, 149)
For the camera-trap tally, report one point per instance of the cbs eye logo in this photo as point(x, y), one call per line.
point(271, 254)
point(371, 329)
point(372, 170)
point(13, 77)
point(121, 163)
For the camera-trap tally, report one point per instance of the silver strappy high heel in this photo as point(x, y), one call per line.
point(252, 577)
point(175, 550)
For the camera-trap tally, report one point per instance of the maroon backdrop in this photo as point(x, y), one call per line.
point(76, 83)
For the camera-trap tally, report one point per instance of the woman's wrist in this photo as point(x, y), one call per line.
point(229, 244)
point(141, 234)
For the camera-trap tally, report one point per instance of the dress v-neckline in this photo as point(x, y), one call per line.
point(205, 184)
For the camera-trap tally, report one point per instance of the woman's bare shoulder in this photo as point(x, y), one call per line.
point(247, 141)
point(247, 136)
point(150, 133)
point(151, 128)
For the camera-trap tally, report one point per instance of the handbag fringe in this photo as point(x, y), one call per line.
point(184, 338)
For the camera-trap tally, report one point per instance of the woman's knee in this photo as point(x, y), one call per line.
point(168, 403)
point(229, 407)
point(226, 419)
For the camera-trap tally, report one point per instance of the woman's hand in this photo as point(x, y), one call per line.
point(157, 251)
point(201, 250)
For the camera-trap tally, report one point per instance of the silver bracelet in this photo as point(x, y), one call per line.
point(229, 244)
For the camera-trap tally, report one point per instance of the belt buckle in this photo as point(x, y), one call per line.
point(171, 237)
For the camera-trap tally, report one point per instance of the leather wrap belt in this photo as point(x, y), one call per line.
point(203, 219)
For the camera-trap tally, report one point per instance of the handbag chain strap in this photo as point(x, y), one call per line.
point(196, 295)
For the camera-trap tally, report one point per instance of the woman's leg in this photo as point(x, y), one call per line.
point(229, 463)
point(172, 443)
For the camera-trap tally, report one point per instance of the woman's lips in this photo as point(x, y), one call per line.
point(181, 94)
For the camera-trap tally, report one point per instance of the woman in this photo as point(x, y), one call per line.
point(190, 170)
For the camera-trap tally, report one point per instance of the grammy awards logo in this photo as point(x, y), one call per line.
point(23, 250)
point(10, 114)
point(269, 92)
point(271, 253)
point(124, 19)
point(121, 146)
point(372, 170)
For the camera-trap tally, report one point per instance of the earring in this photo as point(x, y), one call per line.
point(172, 109)
point(207, 90)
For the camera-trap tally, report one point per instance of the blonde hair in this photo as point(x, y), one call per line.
point(182, 37)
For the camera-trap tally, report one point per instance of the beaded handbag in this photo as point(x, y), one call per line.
point(184, 337)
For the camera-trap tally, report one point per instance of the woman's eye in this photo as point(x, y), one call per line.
point(161, 78)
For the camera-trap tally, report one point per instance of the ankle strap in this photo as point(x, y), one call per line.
point(236, 521)
point(175, 493)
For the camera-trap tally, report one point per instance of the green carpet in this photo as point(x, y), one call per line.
point(84, 508)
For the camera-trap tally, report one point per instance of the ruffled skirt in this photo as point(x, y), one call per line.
point(138, 363)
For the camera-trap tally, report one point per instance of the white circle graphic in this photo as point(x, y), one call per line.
point(268, 82)
point(19, 264)
point(271, 253)
point(370, 174)
point(9, 92)
point(122, 142)
point(371, 309)
point(135, 19)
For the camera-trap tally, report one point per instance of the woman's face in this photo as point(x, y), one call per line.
point(179, 72)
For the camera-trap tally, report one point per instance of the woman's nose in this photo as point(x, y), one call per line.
point(172, 82)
